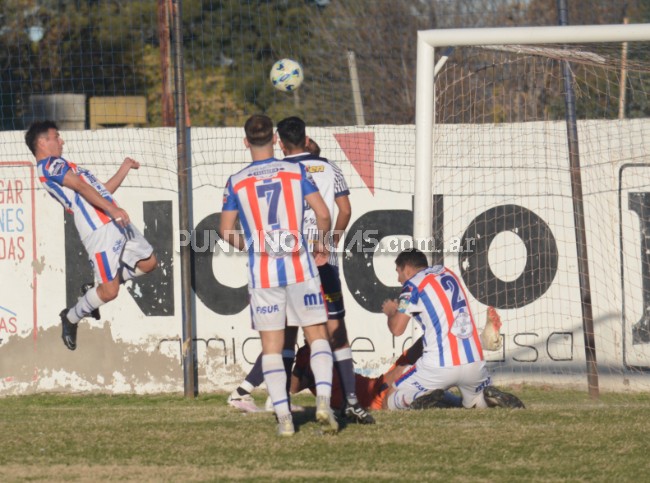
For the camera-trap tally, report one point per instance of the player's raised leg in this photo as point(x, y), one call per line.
point(111, 267)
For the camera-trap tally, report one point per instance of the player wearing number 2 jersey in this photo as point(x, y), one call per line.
point(283, 280)
point(452, 353)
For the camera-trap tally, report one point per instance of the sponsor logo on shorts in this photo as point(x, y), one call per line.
point(313, 299)
point(483, 385)
point(418, 386)
point(117, 248)
point(267, 309)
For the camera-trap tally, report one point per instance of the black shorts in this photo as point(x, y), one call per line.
point(331, 283)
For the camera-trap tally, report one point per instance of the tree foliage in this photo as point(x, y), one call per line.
point(111, 47)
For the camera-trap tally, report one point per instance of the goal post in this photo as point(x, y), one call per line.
point(428, 40)
point(431, 125)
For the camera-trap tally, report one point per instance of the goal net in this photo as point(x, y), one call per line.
point(518, 193)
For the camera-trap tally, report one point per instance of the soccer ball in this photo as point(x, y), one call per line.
point(286, 75)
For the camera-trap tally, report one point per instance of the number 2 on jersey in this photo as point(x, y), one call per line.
point(449, 283)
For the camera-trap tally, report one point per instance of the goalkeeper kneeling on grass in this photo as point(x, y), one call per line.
point(452, 352)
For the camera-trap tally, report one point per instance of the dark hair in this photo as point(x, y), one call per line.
point(413, 258)
point(312, 147)
point(35, 131)
point(292, 132)
point(259, 129)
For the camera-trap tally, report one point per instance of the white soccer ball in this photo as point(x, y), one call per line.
point(286, 75)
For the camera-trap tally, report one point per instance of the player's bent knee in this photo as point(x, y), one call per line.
point(108, 291)
point(147, 265)
point(313, 332)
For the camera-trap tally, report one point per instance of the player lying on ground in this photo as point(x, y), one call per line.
point(117, 250)
point(372, 391)
point(452, 353)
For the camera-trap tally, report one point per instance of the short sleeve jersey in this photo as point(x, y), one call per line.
point(331, 184)
point(436, 299)
point(269, 196)
point(87, 218)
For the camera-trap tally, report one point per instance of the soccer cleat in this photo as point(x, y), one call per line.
point(285, 426)
point(84, 288)
point(496, 398)
point(325, 415)
point(68, 331)
point(433, 399)
point(244, 403)
point(357, 414)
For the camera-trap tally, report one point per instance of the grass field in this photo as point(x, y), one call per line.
point(561, 436)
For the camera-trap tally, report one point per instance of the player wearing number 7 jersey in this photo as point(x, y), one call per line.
point(452, 353)
point(267, 197)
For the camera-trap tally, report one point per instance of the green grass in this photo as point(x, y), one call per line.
point(561, 436)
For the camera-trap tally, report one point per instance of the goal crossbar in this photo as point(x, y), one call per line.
point(428, 40)
point(569, 34)
point(425, 121)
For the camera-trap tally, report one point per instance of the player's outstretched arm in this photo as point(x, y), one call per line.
point(127, 165)
point(74, 182)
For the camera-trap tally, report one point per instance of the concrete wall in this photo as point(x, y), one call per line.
point(503, 219)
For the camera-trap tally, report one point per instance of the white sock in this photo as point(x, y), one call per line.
point(247, 386)
point(85, 305)
point(321, 363)
point(342, 354)
point(276, 383)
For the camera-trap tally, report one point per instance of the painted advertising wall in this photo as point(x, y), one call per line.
point(503, 219)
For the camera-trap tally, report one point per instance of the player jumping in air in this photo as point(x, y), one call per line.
point(117, 250)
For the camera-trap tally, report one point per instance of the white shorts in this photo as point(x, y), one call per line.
point(420, 379)
point(111, 247)
point(300, 304)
